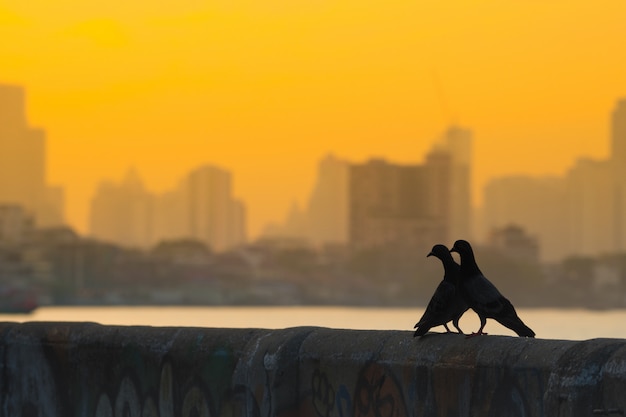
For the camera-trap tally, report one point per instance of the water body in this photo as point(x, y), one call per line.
point(567, 324)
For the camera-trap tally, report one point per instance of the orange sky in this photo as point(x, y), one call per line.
point(265, 88)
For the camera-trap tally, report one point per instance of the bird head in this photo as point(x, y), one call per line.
point(462, 247)
point(439, 251)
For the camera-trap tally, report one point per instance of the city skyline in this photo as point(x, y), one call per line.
point(585, 205)
point(477, 194)
point(267, 89)
point(441, 143)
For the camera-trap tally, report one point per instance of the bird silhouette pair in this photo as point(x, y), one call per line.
point(463, 287)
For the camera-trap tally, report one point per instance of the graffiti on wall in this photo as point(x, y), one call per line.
point(375, 392)
point(128, 403)
point(62, 378)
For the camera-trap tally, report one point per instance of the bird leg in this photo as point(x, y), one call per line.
point(455, 322)
point(447, 329)
point(480, 332)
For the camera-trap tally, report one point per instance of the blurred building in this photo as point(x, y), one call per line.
point(513, 242)
point(170, 218)
point(295, 227)
point(16, 226)
point(591, 208)
point(391, 205)
point(378, 203)
point(80, 266)
point(597, 196)
point(457, 142)
point(414, 205)
point(575, 214)
point(618, 133)
point(618, 162)
point(327, 211)
point(537, 204)
point(238, 224)
point(23, 161)
point(122, 213)
point(52, 212)
point(201, 207)
point(583, 213)
point(214, 216)
point(324, 221)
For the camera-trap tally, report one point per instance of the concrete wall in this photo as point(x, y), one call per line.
point(85, 369)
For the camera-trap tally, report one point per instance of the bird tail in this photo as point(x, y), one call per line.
point(518, 326)
point(421, 331)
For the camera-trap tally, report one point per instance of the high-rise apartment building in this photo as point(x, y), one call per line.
point(392, 205)
point(23, 162)
point(378, 203)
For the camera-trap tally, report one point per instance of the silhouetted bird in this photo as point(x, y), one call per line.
point(483, 297)
point(446, 303)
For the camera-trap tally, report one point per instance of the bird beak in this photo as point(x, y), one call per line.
point(454, 250)
point(430, 254)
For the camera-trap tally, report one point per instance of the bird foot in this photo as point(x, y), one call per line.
point(475, 334)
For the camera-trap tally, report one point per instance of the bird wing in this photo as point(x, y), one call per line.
point(439, 304)
point(484, 293)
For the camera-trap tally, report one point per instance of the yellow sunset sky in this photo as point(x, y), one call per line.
point(265, 88)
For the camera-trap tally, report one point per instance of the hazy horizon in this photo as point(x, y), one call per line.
point(552, 323)
point(265, 90)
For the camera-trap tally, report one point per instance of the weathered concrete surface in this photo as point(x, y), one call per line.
point(85, 369)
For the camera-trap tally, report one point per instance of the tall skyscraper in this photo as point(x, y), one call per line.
point(23, 161)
